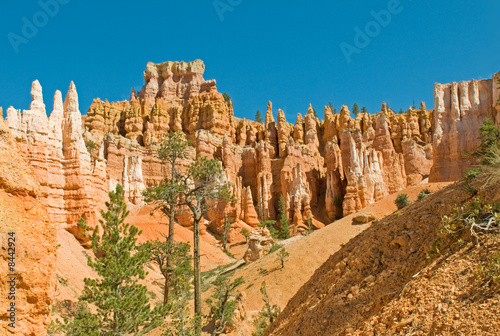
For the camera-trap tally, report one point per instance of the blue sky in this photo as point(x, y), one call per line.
point(284, 51)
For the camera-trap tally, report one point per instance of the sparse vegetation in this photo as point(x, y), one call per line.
point(475, 219)
point(208, 277)
point(182, 322)
point(284, 230)
point(423, 193)
point(282, 256)
point(228, 221)
point(275, 248)
point(258, 117)
point(223, 303)
point(310, 228)
point(270, 225)
point(227, 98)
point(330, 104)
point(91, 145)
point(490, 272)
point(402, 201)
point(245, 233)
point(315, 113)
point(267, 315)
point(229, 254)
point(355, 110)
point(490, 139)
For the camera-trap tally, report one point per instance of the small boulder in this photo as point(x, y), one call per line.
point(364, 218)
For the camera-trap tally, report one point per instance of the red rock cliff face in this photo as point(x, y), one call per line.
point(323, 169)
point(22, 214)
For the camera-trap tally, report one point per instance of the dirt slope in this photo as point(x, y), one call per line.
point(366, 277)
point(306, 255)
point(445, 298)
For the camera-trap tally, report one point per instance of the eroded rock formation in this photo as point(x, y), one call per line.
point(260, 243)
point(460, 110)
point(323, 169)
point(33, 243)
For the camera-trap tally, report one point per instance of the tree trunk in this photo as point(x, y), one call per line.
point(197, 275)
point(166, 290)
point(171, 225)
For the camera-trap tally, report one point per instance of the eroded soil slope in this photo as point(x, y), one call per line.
point(366, 277)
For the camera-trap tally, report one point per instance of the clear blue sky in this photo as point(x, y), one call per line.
point(284, 51)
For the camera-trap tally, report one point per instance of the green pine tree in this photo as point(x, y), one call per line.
point(364, 109)
point(282, 256)
point(223, 303)
point(204, 182)
point(181, 275)
point(489, 136)
point(284, 231)
point(121, 303)
point(267, 315)
point(258, 117)
point(355, 110)
point(227, 98)
point(165, 197)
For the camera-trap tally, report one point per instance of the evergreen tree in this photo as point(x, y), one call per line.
point(258, 117)
point(335, 111)
point(224, 304)
point(489, 136)
point(284, 231)
point(245, 234)
point(181, 324)
point(171, 260)
point(203, 184)
point(165, 197)
point(282, 256)
point(228, 221)
point(330, 104)
point(364, 109)
point(267, 315)
point(401, 111)
point(121, 303)
point(355, 110)
point(227, 98)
